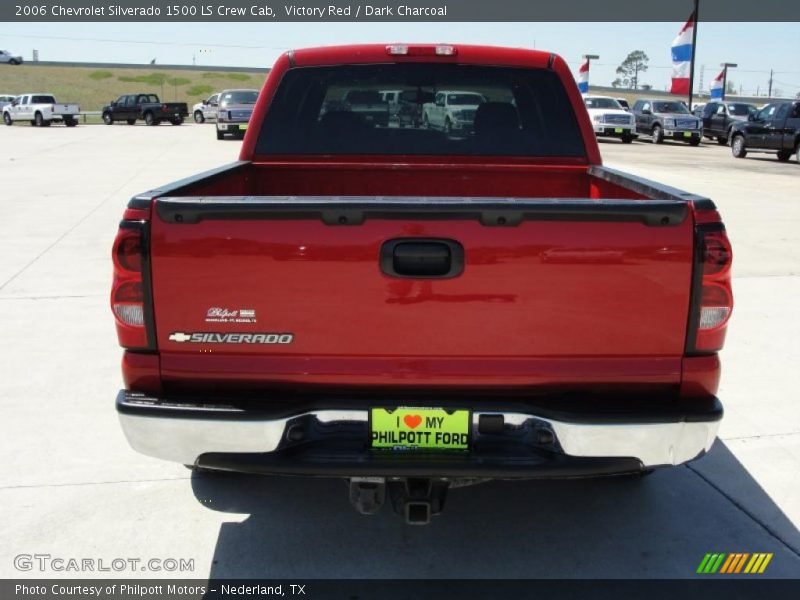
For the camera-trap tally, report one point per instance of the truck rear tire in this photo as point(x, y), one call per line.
point(784, 155)
point(738, 148)
point(658, 134)
point(627, 139)
point(70, 122)
point(177, 121)
point(38, 120)
point(722, 141)
point(150, 119)
point(7, 119)
point(108, 119)
point(695, 142)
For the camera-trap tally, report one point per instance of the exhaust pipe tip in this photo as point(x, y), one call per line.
point(418, 513)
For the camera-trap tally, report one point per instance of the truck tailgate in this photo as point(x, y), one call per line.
point(574, 292)
point(65, 109)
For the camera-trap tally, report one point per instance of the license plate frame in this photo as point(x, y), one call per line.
point(420, 429)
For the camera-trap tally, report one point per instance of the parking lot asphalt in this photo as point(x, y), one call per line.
point(71, 487)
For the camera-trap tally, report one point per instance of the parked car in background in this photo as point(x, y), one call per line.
point(41, 110)
point(206, 110)
point(624, 104)
point(609, 119)
point(773, 129)
point(370, 105)
point(132, 107)
point(9, 59)
point(720, 117)
point(392, 98)
point(411, 107)
point(667, 119)
point(6, 99)
point(452, 111)
point(235, 109)
point(409, 310)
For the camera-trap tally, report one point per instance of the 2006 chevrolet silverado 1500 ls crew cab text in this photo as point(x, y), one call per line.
point(409, 310)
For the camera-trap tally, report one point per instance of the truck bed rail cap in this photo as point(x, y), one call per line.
point(353, 210)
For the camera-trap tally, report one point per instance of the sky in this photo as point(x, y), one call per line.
point(755, 47)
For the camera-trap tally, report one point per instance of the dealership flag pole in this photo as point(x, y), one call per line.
point(696, 16)
point(683, 57)
point(583, 73)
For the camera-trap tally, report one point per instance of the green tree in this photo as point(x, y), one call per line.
point(631, 68)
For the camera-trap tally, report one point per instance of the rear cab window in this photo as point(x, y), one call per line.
point(510, 112)
point(602, 103)
point(240, 97)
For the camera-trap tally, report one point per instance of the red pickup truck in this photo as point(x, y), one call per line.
point(411, 308)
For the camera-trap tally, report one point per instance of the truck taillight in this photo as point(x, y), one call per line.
point(712, 298)
point(130, 297)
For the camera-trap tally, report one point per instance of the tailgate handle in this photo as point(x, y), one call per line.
point(422, 258)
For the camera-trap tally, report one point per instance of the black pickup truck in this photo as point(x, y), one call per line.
point(720, 117)
point(132, 107)
point(774, 129)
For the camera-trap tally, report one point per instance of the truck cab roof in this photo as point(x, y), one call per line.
point(381, 53)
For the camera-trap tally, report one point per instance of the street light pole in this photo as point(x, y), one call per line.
point(725, 77)
point(589, 58)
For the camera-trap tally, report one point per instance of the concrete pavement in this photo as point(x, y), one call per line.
point(71, 487)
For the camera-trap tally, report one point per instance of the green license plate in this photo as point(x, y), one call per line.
point(687, 134)
point(408, 428)
point(618, 130)
point(243, 126)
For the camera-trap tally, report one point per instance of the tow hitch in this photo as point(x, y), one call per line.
point(416, 500)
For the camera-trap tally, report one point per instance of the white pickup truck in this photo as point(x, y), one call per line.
point(610, 118)
point(41, 110)
point(452, 111)
point(207, 109)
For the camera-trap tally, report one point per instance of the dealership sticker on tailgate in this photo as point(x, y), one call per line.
point(409, 428)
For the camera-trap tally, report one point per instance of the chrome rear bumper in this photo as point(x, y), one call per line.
point(185, 433)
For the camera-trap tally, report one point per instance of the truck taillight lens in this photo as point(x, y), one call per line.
point(130, 297)
point(128, 250)
point(128, 303)
point(712, 297)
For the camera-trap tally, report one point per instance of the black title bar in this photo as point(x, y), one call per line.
point(394, 10)
point(707, 588)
